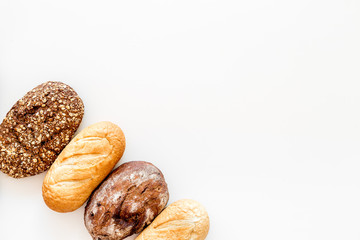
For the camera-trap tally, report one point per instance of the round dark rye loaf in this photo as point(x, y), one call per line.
point(126, 202)
point(37, 128)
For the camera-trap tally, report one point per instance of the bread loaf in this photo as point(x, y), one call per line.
point(37, 128)
point(82, 165)
point(182, 220)
point(126, 202)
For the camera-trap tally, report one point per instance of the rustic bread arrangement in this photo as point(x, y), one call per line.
point(37, 135)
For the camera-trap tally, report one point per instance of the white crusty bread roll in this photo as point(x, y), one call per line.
point(182, 220)
point(82, 165)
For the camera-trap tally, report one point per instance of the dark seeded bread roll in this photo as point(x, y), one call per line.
point(37, 128)
point(126, 202)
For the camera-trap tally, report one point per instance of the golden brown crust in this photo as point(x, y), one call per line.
point(182, 220)
point(82, 165)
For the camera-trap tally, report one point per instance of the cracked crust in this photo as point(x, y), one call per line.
point(126, 202)
point(37, 128)
point(182, 220)
point(82, 165)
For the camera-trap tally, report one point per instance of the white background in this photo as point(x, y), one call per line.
point(250, 107)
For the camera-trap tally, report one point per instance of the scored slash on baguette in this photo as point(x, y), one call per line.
point(82, 165)
point(182, 220)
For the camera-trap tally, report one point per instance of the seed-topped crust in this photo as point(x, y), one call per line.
point(37, 128)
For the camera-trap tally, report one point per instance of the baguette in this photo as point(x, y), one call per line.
point(82, 165)
point(182, 220)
